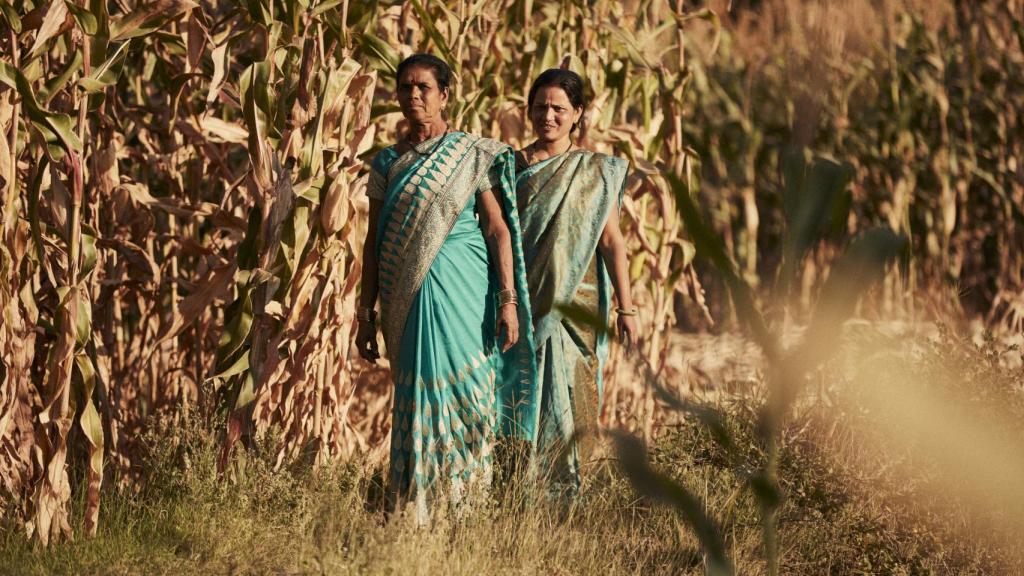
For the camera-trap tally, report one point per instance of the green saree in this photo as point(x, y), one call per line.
point(564, 203)
point(455, 392)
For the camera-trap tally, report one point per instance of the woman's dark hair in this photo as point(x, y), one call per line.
point(442, 73)
point(569, 81)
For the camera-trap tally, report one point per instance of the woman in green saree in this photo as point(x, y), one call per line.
point(568, 200)
point(443, 254)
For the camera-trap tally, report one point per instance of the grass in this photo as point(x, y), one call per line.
point(853, 505)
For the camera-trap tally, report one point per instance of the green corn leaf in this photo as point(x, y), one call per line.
point(148, 17)
point(107, 73)
point(248, 255)
point(86, 20)
point(435, 35)
point(11, 16)
point(240, 365)
point(83, 320)
point(88, 248)
point(237, 330)
point(92, 425)
point(57, 83)
point(246, 392)
point(254, 86)
point(660, 488)
point(325, 6)
point(100, 10)
point(380, 53)
point(56, 129)
point(34, 187)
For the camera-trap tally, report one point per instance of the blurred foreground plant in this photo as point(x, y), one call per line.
point(815, 188)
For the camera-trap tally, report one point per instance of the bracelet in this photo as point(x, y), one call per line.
point(364, 314)
point(627, 311)
point(507, 296)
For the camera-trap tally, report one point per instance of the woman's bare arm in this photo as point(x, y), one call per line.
point(613, 252)
point(499, 244)
point(499, 239)
point(370, 281)
point(366, 335)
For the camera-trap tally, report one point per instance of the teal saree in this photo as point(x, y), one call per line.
point(455, 392)
point(564, 203)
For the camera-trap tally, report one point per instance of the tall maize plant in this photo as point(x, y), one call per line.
point(183, 211)
point(165, 169)
point(297, 383)
point(183, 207)
point(915, 96)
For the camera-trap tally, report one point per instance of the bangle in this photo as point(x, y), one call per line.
point(507, 296)
point(365, 314)
point(627, 311)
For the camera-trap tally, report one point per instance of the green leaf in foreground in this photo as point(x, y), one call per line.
point(854, 273)
point(710, 247)
point(810, 198)
point(660, 488)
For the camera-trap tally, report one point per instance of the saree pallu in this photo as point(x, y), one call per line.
point(564, 203)
point(455, 392)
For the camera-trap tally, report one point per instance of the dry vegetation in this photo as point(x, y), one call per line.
point(182, 212)
point(848, 510)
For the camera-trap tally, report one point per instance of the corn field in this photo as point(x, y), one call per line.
point(183, 193)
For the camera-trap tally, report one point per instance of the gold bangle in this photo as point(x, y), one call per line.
point(627, 312)
point(364, 314)
point(507, 296)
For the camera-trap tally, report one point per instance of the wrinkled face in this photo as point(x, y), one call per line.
point(552, 114)
point(419, 97)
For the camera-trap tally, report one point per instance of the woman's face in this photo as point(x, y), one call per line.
point(552, 114)
point(419, 97)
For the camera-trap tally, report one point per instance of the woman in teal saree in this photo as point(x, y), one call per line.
point(443, 254)
point(568, 200)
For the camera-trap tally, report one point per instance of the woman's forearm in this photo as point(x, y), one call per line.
point(613, 252)
point(370, 283)
point(498, 237)
point(618, 264)
point(368, 286)
point(500, 246)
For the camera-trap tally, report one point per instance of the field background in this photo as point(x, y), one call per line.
point(183, 210)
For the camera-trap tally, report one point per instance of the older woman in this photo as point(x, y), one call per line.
point(568, 200)
point(443, 254)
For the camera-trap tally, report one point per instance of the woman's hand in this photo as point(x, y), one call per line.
point(508, 324)
point(626, 328)
point(366, 341)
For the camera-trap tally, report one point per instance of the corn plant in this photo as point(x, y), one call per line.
point(911, 94)
point(182, 206)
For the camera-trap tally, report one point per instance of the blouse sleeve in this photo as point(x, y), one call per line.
point(489, 180)
point(377, 185)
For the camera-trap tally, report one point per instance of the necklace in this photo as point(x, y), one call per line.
point(416, 147)
point(531, 151)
